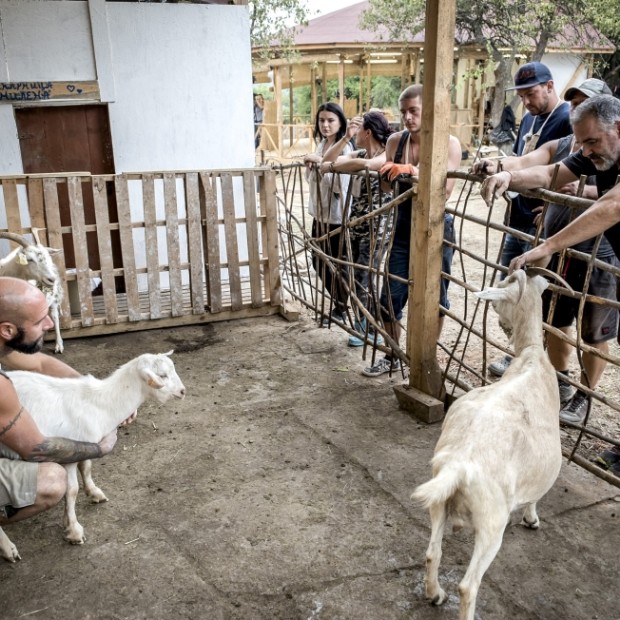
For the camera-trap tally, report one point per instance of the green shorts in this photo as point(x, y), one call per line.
point(18, 483)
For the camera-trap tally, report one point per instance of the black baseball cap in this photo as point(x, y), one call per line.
point(531, 74)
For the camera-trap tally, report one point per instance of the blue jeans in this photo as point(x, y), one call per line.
point(513, 247)
point(398, 264)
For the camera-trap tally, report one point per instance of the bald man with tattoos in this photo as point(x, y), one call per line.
point(37, 482)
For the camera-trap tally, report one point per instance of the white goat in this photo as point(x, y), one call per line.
point(499, 446)
point(88, 409)
point(33, 262)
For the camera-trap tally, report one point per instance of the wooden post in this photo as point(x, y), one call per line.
point(277, 85)
point(341, 82)
point(313, 95)
point(428, 215)
point(291, 101)
point(324, 83)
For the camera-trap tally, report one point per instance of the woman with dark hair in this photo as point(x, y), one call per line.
point(328, 192)
point(369, 239)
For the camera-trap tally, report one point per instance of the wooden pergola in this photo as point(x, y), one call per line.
point(334, 47)
point(443, 64)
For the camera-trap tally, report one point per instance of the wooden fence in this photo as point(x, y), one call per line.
point(155, 249)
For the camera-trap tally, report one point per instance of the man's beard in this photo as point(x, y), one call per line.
point(603, 162)
point(18, 343)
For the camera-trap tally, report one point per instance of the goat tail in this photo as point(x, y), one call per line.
point(442, 487)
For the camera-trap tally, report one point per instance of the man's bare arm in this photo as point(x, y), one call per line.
point(603, 214)
point(530, 178)
point(19, 432)
point(37, 362)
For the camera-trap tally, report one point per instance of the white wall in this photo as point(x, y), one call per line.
point(180, 74)
point(183, 86)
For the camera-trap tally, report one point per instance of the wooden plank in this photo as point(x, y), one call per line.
point(127, 249)
point(230, 234)
point(104, 242)
point(54, 238)
point(211, 241)
point(252, 233)
point(151, 244)
point(428, 211)
point(194, 244)
point(269, 209)
point(172, 240)
point(191, 319)
point(12, 92)
point(80, 249)
point(36, 208)
point(11, 204)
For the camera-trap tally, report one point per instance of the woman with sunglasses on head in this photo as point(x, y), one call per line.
point(368, 240)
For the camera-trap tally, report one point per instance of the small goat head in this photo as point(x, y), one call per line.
point(507, 295)
point(159, 374)
point(34, 258)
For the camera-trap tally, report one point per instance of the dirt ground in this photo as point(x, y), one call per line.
point(279, 489)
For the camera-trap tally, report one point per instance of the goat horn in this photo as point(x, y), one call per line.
point(16, 238)
point(35, 235)
point(541, 271)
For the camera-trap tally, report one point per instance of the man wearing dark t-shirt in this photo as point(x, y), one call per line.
point(596, 124)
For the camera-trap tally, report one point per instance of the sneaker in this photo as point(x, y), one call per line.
point(608, 459)
point(567, 391)
point(381, 367)
point(354, 341)
point(499, 367)
point(338, 316)
point(575, 410)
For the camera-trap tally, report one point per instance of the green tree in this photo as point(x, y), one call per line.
point(270, 21)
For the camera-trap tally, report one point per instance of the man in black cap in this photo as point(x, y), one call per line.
point(547, 118)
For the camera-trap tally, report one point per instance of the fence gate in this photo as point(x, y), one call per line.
point(195, 246)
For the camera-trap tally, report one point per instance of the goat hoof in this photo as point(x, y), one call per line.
point(532, 525)
point(97, 497)
point(438, 599)
point(13, 555)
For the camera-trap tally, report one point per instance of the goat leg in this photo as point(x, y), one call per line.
point(92, 490)
point(434, 592)
point(74, 532)
point(530, 517)
point(7, 549)
point(55, 314)
point(489, 531)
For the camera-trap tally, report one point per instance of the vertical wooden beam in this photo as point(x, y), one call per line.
point(368, 83)
point(277, 85)
point(341, 82)
point(428, 212)
point(324, 83)
point(291, 106)
point(404, 70)
point(313, 95)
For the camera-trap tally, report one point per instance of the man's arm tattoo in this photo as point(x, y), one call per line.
point(12, 423)
point(60, 450)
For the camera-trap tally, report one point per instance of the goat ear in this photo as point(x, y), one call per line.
point(151, 379)
point(491, 294)
point(53, 250)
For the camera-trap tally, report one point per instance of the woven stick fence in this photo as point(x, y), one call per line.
point(470, 337)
